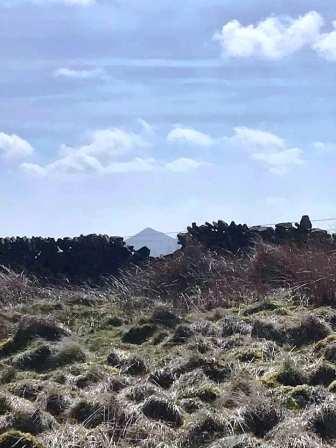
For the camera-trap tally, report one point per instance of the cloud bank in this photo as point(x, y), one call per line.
point(109, 151)
point(116, 150)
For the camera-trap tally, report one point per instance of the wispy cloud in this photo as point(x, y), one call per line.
point(267, 148)
point(277, 37)
point(189, 135)
point(79, 74)
point(325, 147)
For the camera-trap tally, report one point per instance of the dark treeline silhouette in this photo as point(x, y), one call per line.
point(239, 238)
point(80, 259)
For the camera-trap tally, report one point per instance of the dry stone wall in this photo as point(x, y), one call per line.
point(237, 238)
point(80, 259)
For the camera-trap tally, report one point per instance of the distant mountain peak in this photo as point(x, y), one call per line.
point(158, 242)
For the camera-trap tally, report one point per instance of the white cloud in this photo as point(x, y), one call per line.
point(189, 135)
point(264, 147)
point(79, 74)
point(183, 165)
point(14, 147)
point(272, 38)
point(109, 151)
point(269, 149)
point(104, 153)
point(325, 46)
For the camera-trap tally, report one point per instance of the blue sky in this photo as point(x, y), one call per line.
point(121, 114)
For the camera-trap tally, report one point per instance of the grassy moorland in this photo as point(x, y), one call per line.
point(194, 350)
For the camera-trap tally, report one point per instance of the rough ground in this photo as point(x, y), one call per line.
point(80, 372)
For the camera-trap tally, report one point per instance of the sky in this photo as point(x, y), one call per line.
point(116, 115)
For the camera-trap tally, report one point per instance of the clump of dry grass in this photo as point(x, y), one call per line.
point(192, 278)
point(201, 279)
point(309, 271)
point(14, 287)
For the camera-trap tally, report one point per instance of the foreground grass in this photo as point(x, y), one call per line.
point(78, 369)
